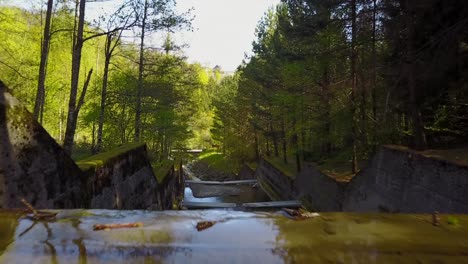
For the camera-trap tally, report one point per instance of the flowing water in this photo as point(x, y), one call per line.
point(246, 193)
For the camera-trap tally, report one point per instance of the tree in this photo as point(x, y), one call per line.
point(156, 15)
point(73, 108)
point(39, 103)
point(124, 18)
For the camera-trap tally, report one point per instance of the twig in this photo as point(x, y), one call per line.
point(299, 214)
point(29, 206)
point(38, 215)
point(113, 226)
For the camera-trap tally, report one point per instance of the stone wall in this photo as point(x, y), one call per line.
point(32, 164)
point(401, 180)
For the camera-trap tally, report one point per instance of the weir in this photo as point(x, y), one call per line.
point(243, 223)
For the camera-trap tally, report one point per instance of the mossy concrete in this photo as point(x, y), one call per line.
point(397, 179)
point(32, 164)
point(274, 181)
point(402, 180)
point(121, 178)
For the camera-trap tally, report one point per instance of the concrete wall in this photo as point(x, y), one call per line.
point(171, 187)
point(246, 173)
point(318, 191)
point(32, 164)
point(274, 182)
point(121, 179)
point(401, 180)
point(396, 180)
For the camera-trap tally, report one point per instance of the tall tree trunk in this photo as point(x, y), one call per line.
point(416, 120)
point(140, 76)
point(93, 137)
point(374, 77)
point(374, 62)
point(40, 95)
point(105, 76)
point(257, 151)
point(268, 153)
point(275, 139)
point(295, 144)
point(283, 138)
point(326, 148)
point(303, 133)
point(354, 166)
point(75, 75)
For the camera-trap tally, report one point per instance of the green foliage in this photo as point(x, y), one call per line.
point(294, 93)
point(176, 105)
point(291, 100)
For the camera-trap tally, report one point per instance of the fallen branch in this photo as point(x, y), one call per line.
point(299, 214)
point(114, 226)
point(37, 215)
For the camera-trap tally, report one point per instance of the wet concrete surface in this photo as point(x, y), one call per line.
point(236, 237)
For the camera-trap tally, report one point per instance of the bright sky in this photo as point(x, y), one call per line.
point(224, 29)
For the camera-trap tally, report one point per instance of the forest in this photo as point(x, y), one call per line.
point(326, 80)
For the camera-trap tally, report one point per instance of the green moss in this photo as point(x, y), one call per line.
point(8, 224)
point(100, 159)
point(161, 169)
point(138, 236)
point(453, 220)
point(372, 238)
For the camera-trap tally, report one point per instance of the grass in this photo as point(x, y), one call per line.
point(218, 162)
point(81, 151)
point(100, 159)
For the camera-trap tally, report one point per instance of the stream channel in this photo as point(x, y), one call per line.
point(217, 193)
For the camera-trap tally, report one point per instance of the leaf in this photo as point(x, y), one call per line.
point(204, 225)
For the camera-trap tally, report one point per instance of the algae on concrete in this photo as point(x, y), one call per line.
point(289, 170)
point(240, 237)
point(8, 225)
point(162, 169)
point(100, 159)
